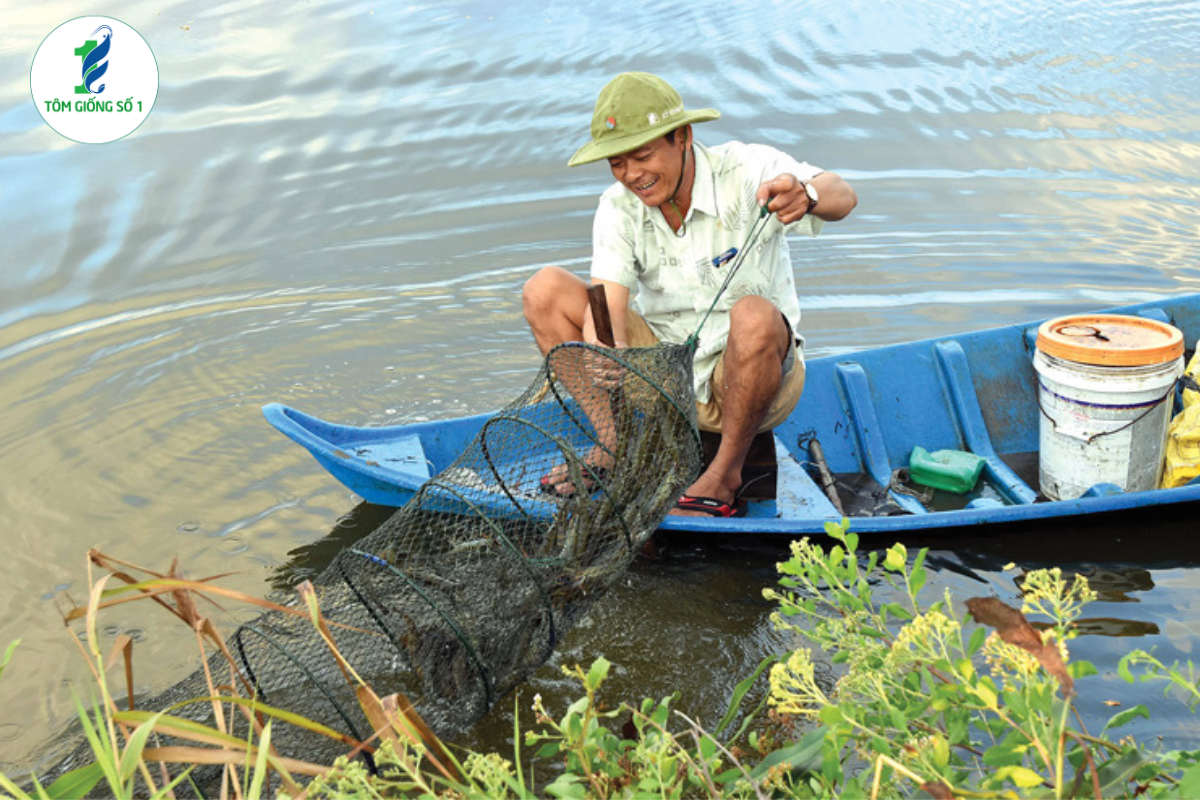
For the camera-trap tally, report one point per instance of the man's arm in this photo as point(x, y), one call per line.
point(786, 197)
point(618, 304)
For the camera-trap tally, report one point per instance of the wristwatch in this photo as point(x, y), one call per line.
point(813, 196)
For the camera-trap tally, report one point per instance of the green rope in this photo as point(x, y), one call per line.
point(756, 230)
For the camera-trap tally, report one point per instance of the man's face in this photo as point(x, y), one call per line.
point(652, 171)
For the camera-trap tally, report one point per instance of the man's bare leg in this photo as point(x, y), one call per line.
point(758, 343)
point(555, 302)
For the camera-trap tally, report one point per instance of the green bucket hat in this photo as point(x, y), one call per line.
point(633, 109)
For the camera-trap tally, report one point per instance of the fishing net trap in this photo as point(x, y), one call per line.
point(466, 590)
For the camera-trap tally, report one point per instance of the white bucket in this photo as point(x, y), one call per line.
point(1102, 424)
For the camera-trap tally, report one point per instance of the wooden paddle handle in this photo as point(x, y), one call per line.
point(600, 318)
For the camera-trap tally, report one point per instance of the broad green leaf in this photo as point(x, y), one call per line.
point(897, 557)
point(1082, 669)
point(1123, 668)
point(1127, 716)
point(830, 715)
point(568, 787)
point(917, 580)
point(1024, 777)
point(597, 673)
point(941, 751)
point(805, 754)
point(1189, 782)
point(897, 611)
point(1005, 755)
point(548, 750)
point(978, 637)
point(1116, 772)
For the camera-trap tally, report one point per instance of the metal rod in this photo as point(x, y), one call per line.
point(817, 456)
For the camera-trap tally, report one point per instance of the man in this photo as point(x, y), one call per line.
point(668, 229)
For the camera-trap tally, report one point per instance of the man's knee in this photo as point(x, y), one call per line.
point(547, 289)
point(755, 322)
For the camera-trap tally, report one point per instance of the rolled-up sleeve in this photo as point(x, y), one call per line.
point(613, 245)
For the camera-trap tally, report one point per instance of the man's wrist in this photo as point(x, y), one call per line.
point(814, 197)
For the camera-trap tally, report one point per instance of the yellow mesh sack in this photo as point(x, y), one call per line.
point(1183, 436)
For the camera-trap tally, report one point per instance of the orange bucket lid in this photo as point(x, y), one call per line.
point(1110, 340)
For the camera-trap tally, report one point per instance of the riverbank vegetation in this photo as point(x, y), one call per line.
point(912, 697)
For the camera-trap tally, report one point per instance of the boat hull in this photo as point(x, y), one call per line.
point(975, 392)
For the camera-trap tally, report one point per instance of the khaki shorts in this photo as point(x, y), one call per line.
point(708, 414)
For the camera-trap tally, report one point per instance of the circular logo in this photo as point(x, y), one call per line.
point(94, 79)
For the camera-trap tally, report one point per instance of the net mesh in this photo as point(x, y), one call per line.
point(466, 590)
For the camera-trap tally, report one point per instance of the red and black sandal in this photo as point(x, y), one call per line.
point(710, 506)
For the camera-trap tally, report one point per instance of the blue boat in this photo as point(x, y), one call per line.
point(976, 392)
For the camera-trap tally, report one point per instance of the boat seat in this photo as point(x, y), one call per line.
point(760, 473)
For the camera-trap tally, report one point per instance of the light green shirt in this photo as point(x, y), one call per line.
point(673, 277)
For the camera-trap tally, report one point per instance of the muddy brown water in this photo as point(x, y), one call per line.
point(335, 205)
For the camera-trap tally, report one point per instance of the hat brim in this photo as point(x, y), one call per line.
point(615, 145)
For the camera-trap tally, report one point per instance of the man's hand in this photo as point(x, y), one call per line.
point(785, 197)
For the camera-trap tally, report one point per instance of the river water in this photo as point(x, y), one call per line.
point(334, 205)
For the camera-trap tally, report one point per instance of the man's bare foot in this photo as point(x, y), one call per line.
point(714, 487)
point(595, 469)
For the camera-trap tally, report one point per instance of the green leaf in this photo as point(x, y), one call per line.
point(260, 762)
point(805, 754)
point(830, 715)
point(897, 557)
point(8, 654)
point(1123, 668)
point(1127, 716)
point(597, 673)
point(568, 786)
point(1082, 669)
point(15, 791)
point(547, 750)
point(1023, 777)
point(739, 692)
point(1005, 755)
point(137, 743)
point(1189, 782)
point(100, 745)
point(978, 637)
point(917, 580)
point(941, 751)
point(1116, 772)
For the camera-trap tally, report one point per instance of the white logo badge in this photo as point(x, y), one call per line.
point(94, 79)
